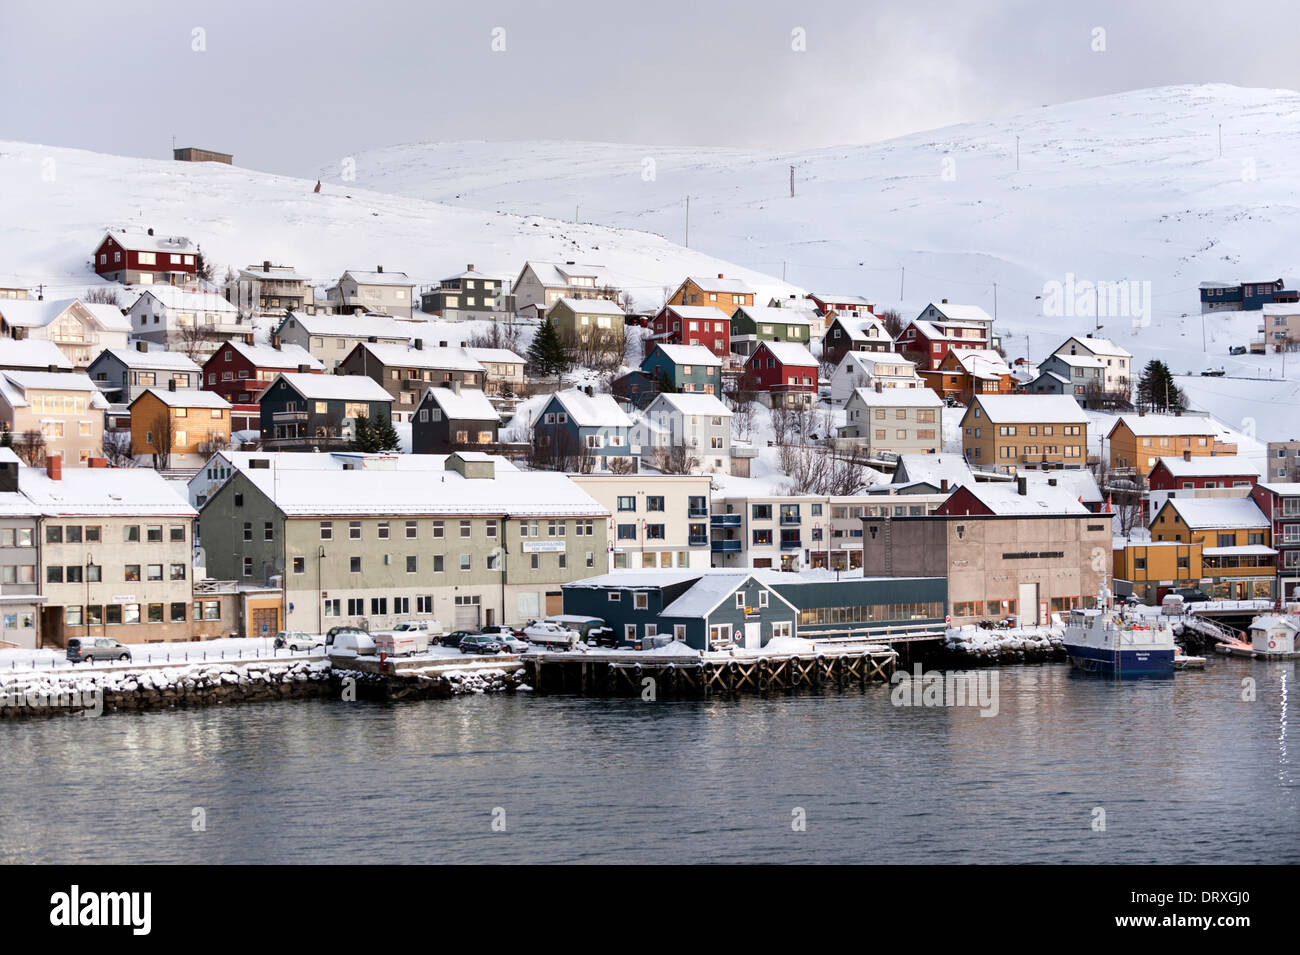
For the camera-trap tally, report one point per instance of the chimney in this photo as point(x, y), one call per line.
point(275, 342)
point(720, 275)
point(54, 467)
point(943, 301)
point(590, 391)
point(248, 339)
point(1187, 454)
point(266, 265)
point(1022, 486)
point(470, 267)
point(304, 369)
point(141, 346)
point(171, 385)
point(1051, 482)
point(879, 387)
point(943, 485)
point(419, 344)
point(151, 231)
point(455, 387)
point(379, 269)
point(98, 462)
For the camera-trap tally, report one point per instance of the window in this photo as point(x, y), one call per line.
point(354, 565)
point(740, 601)
point(154, 534)
point(467, 562)
point(465, 528)
point(354, 530)
point(411, 529)
point(177, 533)
point(627, 532)
point(131, 533)
point(627, 503)
point(382, 530)
point(177, 571)
point(654, 503)
point(326, 530)
point(132, 571)
point(412, 564)
point(437, 529)
point(640, 601)
point(248, 531)
point(300, 565)
point(438, 564)
point(248, 567)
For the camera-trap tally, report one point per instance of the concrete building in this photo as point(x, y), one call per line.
point(20, 591)
point(469, 546)
point(1004, 551)
point(1010, 432)
point(1283, 461)
point(656, 520)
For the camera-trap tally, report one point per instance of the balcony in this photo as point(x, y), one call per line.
point(788, 520)
point(725, 520)
point(700, 512)
point(289, 417)
point(694, 541)
point(725, 546)
point(790, 543)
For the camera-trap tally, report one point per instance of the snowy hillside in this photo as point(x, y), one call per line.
point(1126, 187)
point(56, 204)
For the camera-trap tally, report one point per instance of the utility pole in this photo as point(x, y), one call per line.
point(792, 182)
point(1220, 140)
point(902, 274)
point(995, 301)
point(1017, 154)
point(688, 221)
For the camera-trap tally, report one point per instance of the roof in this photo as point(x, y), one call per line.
point(185, 398)
point(172, 296)
point(934, 468)
point(875, 358)
point(557, 274)
point(343, 493)
point(469, 405)
point(591, 306)
point(708, 313)
point(857, 328)
point(134, 358)
point(1215, 465)
point(897, 397)
point(1271, 621)
point(1243, 550)
point(403, 356)
point(502, 356)
point(639, 579)
point(334, 387)
point(963, 313)
point(1031, 409)
point(790, 353)
point(32, 353)
point(1079, 482)
point(840, 299)
point(353, 326)
point(281, 273)
point(688, 355)
point(779, 316)
point(716, 283)
point(31, 313)
point(1217, 512)
point(1004, 499)
point(15, 385)
point(104, 492)
point(378, 278)
point(706, 594)
point(266, 356)
point(592, 411)
point(1100, 346)
point(693, 404)
point(1076, 361)
point(1282, 488)
point(981, 362)
point(1281, 308)
point(1167, 424)
point(138, 241)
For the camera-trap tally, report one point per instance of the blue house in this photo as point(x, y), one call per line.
point(574, 426)
point(1244, 296)
point(705, 609)
point(690, 368)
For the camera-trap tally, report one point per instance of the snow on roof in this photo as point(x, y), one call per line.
point(716, 283)
point(186, 398)
point(790, 353)
point(104, 492)
point(1281, 308)
point(963, 313)
point(342, 493)
point(32, 353)
point(15, 504)
point(708, 313)
point(1005, 499)
point(16, 384)
point(1077, 481)
point(897, 397)
point(142, 241)
point(266, 356)
point(841, 299)
point(635, 579)
point(1241, 550)
point(469, 405)
point(934, 468)
point(173, 296)
point(170, 360)
point(30, 313)
point(706, 593)
point(1031, 409)
point(861, 358)
point(689, 355)
point(1080, 361)
point(110, 317)
point(982, 362)
point(693, 403)
point(1282, 488)
point(1272, 620)
point(275, 273)
point(357, 326)
point(1102, 346)
point(402, 356)
point(503, 356)
point(338, 387)
point(1217, 512)
point(592, 411)
point(591, 306)
point(1216, 465)
point(1167, 424)
point(558, 274)
point(767, 314)
point(857, 328)
point(379, 278)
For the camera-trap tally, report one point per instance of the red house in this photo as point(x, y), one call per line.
point(240, 371)
point(785, 371)
point(1194, 473)
point(694, 325)
point(850, 305)
point(928, 343)
point(142, 258)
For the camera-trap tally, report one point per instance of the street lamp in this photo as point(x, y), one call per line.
point(320, 591)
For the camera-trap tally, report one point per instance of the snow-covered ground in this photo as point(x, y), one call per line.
point(221, 649)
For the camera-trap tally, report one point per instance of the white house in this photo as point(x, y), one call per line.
point(866, 369)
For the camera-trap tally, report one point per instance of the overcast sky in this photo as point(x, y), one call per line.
point(287, 86)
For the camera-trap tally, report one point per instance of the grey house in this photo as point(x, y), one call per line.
point(453, 419)
point(125, 374)
point(1082, 377)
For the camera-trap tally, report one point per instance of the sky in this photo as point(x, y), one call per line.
point(287, 86)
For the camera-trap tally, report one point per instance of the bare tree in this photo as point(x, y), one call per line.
point(216, 442)
point(892, 321)
point(742, 420)
point(30, 447)
point(100, 296)
point(622, 465)
point(159, 438)
point(196, 341)
point(504, 335)
point(117, 449)
point(676, 459)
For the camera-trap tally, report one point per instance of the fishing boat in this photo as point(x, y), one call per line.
point(1105, 640)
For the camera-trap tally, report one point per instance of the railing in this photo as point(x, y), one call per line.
point(697, 541)
point(725, 547)
point(791, 543)
point(725, 520)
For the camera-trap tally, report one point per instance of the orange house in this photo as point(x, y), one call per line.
point(722, 292)
point(182, 427)
point(1139, 441)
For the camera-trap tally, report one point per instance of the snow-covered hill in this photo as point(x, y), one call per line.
point(1129, 187)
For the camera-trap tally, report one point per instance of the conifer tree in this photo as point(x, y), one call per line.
point(546, 354)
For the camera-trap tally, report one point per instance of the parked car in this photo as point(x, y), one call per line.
point(503, 631)
point(589, 628)
point(506, 636)
point(90, 649)
point(1192, 595)
point(333, 632)
point(1237, 350)
point(454, 638)
point(1213, 373)
point(431, 627)
point(296, 640)
point(353, 642)
point(481, 643)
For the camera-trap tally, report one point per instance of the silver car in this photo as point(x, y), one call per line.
point(90, 649)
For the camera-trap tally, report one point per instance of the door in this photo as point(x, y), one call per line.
point(1029, 605)
point(554, 604)
point(753, 636)
point(266, 622)
point(466, 617)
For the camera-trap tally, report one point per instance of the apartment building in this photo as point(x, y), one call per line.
point(20, 590)
point(1010, 432)
point(1280, 504)
point(471, 545)
point(896, 420)
point(407, 373)
point(1238, 559)
point(331, 338)
point(358, 292)
point(1283, 461)
point(81, 330)
point(1138, 441)
point(65, 409)
point(656, 520)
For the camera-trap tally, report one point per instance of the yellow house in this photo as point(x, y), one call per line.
point(1138, 441)
point(65, 409)
point(1238, 561)
point(1154, 567)
point(1009, 432)
point(722, 292)
point(179, 428)
point(577, 320)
